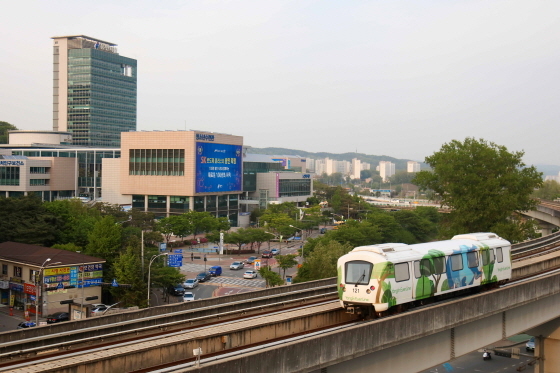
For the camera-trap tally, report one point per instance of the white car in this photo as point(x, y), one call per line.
point(250, 274)
point(188, 296)
point(191, 283)
point(98, 308)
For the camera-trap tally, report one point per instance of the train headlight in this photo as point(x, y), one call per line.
point(368, 291)
point(372, 288)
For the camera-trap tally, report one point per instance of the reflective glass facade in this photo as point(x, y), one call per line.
point(101, 97)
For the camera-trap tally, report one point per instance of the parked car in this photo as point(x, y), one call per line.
point(236, 265)
point(267, 254)
point(250, 274)
point(191, 283)
point(275, 251)
point(530, 346)
point(176, 289)
point(58, 317)
point(215, 271)
point(203, 276)
point(323, 230)
point(188, 296)
point(26, 324)
point(98, 308)
point(251, 259)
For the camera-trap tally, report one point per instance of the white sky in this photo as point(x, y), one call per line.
point(396, 78)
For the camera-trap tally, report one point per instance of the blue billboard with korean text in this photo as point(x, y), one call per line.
point(218, 167)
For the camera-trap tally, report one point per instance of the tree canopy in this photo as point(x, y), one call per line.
point(484, 184)
point(4, 128)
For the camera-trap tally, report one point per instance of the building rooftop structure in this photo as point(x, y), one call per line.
point(36, 255)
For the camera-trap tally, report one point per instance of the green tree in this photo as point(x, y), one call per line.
point(550, 190)
point(105, 242)
point(127, 270)
point(483, 183)
point(26, 220)
point(285, 262)
point(4, 128)
point(272, 278)
point(78, 220)
point(321, 262)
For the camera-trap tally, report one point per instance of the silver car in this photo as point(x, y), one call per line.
point(236, 265)
point(191, 283)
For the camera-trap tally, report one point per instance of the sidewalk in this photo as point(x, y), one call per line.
point(18, 314)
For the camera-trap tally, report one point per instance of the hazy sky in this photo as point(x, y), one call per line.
point(396, 78)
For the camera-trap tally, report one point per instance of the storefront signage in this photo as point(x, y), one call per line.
point(28, 289)
point(218, 167)
point(12, 163)
point(204, 137)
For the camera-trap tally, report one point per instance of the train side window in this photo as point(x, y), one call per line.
point(472, 259)
point(439, 265)
point(499, 255)
point(401, 272)
point(456, 262)
point(487, 256)
point(417, 272)
point(433, 266)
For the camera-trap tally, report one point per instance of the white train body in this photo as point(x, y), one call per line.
point(386, 275)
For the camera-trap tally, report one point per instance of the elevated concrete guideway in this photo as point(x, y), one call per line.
point(420, 339)
point(548, 215)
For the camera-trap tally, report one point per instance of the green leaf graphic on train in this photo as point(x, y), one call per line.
point(432, 266)
point(487, 265)
point(383, 271)
point(388, 295)
point(339, 288)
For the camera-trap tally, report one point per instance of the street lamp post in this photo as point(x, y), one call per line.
point(301, 230)
point(39, 289)
point(149, 272)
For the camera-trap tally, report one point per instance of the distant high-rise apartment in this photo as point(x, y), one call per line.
point(412, 166)
point(356, 168)
point(94, 91)
point(386, 170)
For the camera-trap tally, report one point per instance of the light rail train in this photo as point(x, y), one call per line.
point(394, 276)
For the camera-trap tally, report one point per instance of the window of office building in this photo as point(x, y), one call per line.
point(4, 269)
point(293, 188)
point(223, 202)
point(9, 175)
point(35, 182)
point(158, 162)
point(138, 202)
point(233, 202)
point(211, 203)
point(157, 203)
point(178, 204)
point(38, 170)
point(198, 203)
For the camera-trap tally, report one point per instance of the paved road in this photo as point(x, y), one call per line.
point(473, 362)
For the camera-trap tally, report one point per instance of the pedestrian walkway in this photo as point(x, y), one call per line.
point(252, 283)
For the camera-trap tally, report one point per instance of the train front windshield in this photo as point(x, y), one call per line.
point(358, 272)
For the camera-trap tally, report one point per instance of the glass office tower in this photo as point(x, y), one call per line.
point(94, 91)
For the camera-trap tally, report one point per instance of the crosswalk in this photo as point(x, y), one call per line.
point(224, 280)
point(249, 283)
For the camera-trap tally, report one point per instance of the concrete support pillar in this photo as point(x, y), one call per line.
point(547, 347)
point(546, 228)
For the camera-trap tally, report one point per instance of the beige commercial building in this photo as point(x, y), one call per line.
point(172, 172)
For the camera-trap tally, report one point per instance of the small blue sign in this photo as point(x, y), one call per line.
point(32, 297)
point(60, 286)
point(162, 246)
point(115, 284)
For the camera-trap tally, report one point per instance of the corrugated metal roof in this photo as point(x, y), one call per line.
point(36, 255)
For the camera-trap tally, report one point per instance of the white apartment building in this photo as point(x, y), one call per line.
point(356, 168)
point(412, 166)
point(386, 170)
